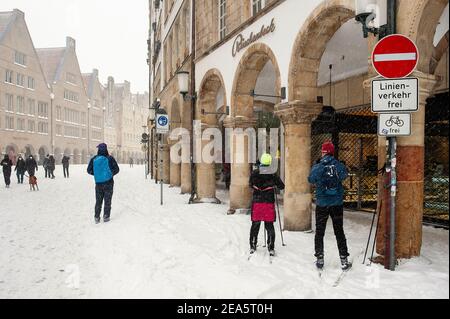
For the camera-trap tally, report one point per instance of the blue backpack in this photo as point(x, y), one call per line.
point(330, 179)
point(102, 171)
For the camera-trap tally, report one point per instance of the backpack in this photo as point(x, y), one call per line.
point(330, 179)
point(102, 171)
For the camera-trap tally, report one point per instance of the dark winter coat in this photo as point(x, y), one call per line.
point(316, 178)
point(45, 163)
point(7, 166)
point(51, 163)
point(20, 166)
point(32, 166)
point(65, 161)
point(264, 185)
point(113, 166)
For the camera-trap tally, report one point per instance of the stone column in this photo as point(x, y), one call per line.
point(297, 118)
point(240, 192)
point(410, 179)
point(186, 174)
point(166, 163)
point(175, 169)
point(206, 176)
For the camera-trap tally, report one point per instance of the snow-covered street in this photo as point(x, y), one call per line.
point(51, 248)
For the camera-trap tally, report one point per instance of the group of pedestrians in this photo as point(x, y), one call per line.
point(326, 176)
point(22, 166)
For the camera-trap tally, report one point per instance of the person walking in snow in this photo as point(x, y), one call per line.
point(65, 163)
point(327, 176)
point(20, 169)
point(131, 162)
point(7, 164)
point(45, 166)
point(51, 167)
point(264, 184)
point(31, 166)
point(103, 167)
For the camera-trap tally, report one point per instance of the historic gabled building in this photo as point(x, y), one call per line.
point(25, 100)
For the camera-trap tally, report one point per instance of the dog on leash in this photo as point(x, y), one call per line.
point(33, 183)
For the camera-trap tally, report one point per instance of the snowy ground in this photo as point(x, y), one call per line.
point(50, 248)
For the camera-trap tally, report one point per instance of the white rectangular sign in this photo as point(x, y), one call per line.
point(390, 125)
point(395, 95)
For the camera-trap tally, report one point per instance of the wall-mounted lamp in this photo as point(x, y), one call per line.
point(227, 112)
point(372, 14)
point(183, 84)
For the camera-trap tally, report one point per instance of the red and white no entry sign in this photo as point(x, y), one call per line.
point(396, 56)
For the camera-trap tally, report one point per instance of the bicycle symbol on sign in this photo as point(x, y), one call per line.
point(395, 120)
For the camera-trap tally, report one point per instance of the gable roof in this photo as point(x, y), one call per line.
point(5, 21)
point(52, 60)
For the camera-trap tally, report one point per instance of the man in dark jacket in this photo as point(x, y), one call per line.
point(103, 167)
point(45, 165)
point(20, 169)
point(7, 164)
point(51, 167)
point(327, 176)
point(264, 184)
point(65, 164)
point(31, 165)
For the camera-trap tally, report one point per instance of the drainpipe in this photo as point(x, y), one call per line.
point(193, 102)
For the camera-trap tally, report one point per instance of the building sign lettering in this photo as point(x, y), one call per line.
point(241, 43)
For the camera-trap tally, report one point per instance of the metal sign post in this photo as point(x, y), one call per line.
point(161, 170)
point(162, 127)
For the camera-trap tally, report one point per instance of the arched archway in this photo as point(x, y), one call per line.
point(29, 151)
point(58, 155)
point(76, 157)
point(84, 156)
point(42, 153)
point(257, 58)
point(12, 151)
point(211, 102)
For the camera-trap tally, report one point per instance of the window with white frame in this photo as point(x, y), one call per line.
point(20, 105)
point(71, 78)
point(31, 126)
point(83, 133)
point(9, 103)
point(21, 125)
point(20, 58)
point(96, 135)
point(58, 130)
point(222, 17)
point(257, 6)
point(71, 96)
point(20, 80)
point(58, 113)
point(43, 127)
point(31, 83)
point(9, 76)
point(31, 107)
point(96, 121)
point(83, 119)
point(9, 122)
point(43, 109)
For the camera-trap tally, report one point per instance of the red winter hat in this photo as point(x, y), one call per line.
point(328, 148)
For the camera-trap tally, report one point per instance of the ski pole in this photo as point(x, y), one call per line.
point(376, 233)
point(279, 217)
point(370, 236)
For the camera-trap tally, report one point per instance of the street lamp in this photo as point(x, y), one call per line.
point(89, 128)
point(183, 85)
point(372, 15)
point(52, 141)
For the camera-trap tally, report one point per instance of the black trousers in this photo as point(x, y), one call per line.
point(337, 216)
point(47, 173)
point(103, 192)
point(20, 177)
point(270, 232)
point(66, 172)
point(51, 173)
point(7, 176)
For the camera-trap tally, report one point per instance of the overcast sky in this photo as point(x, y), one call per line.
point(111, 35)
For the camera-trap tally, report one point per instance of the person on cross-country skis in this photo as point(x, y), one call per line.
point(20, 169)
point(103, 167)
point(7, 164)
point(264, 182)
point(327, 176)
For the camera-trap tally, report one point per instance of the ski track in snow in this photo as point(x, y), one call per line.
point(50, 248)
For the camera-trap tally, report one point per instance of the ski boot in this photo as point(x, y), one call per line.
point(97, 220)
point(320, 262)
point(345, 264)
